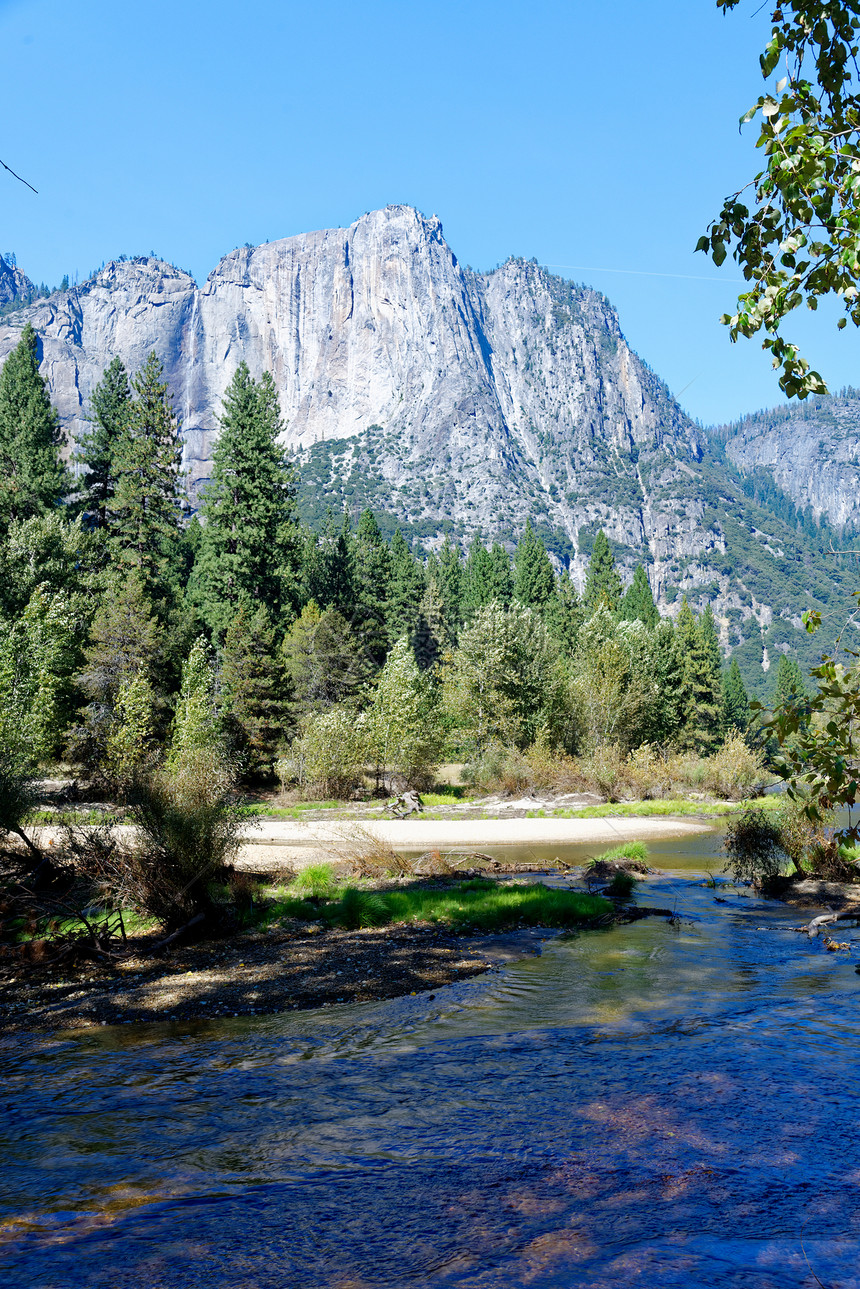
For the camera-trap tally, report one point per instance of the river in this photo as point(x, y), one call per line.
point(658, 1104)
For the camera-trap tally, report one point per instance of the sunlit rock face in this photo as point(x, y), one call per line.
point(499, 395)
point(810, 449)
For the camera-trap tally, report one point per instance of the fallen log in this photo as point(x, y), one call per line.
point(845, 915)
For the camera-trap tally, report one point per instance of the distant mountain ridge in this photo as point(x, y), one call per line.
point(811, 449)
point(452, 401)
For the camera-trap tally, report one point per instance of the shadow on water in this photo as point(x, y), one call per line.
point(660, 1104)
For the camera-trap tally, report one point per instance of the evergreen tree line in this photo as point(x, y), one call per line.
point(129, 628)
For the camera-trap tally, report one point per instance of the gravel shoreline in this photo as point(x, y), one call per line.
point(253, 974)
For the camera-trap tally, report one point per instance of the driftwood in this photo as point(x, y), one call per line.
point(162, 944)
point(846, 915)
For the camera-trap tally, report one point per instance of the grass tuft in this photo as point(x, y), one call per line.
point(317, 881)
point(627, 850)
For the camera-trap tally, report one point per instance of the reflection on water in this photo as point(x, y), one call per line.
point(657, 1104)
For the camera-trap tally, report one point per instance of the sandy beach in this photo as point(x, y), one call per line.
point(293, 843)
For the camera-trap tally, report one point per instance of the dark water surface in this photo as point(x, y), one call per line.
point(654, 1105)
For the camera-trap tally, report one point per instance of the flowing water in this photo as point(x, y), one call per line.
point(658, 1104)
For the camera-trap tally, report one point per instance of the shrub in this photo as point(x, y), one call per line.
point(552, 769)
point(647, 773)
point(622, 885)
point(754, 847)
point(361, 850)
point(188, 827)
point(736, 771)
point(605, 769)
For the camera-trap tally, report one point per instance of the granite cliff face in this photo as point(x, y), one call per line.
point(497, 395)
point(810, 449)
point(451, 400)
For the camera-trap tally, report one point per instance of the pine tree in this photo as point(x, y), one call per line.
point(564, 614)
point(432, 632)
point(328, 567)
point(248, 542)
point(788, 681)
point(109, 408)
point(124, 644)
point(638, 601)
point(33, 479)
point(254, 688)
point(372, 580)
point(125, 639)
point(449, 578)
point(39, 655)
point(407, 589)
point(197, 723)
point(478, 577)
point(144, 535)
point(534, 580)
point(502, 579)
point(669, 673)
point(602, 581)
point(324, 661)
point(699, 654)
point(736, 704)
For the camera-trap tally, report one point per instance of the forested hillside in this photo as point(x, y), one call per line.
point(131, 633)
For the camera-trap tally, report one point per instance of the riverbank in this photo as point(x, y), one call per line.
point(247, 975)
point(391, 939)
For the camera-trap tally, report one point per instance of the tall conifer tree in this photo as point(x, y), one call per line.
point(477, 577)
point(699, 655)
point(147, 505)
point(450, 584)
point(602, 581)
point(407, 590)
point(254, 688)
point(248, 543)
point(502, 580)
point(564, 614)
point(109, 407)
point(788, 681)
point(372, 573)
point(736, 703)
point(534, 580)
point(638, 602)
point(33, 479)
point(328, 572)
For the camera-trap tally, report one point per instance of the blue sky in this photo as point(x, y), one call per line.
point(598, 138)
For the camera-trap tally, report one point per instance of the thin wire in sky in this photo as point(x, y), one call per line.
point(687, 277)
point(18, 177)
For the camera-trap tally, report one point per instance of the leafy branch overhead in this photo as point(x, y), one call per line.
point(796, 236)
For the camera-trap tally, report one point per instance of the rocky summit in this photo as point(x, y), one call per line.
point(452, 401)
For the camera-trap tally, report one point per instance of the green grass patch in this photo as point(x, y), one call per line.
point(82, 818)
point(492, 906)
point(444, 794)
point(295, 811)
point(625, 809)
point(627, 850)
point(317, 880)
point(478, 904)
